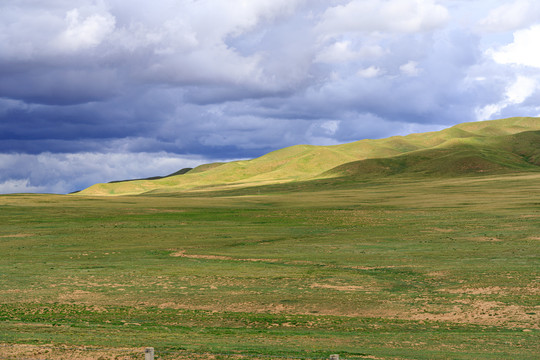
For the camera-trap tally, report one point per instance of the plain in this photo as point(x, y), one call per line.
point(422, 267)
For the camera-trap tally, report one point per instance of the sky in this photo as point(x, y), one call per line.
point(99, 90)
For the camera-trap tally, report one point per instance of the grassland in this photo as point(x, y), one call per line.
point(399, 267)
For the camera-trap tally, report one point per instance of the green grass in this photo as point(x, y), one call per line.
point(399, 267)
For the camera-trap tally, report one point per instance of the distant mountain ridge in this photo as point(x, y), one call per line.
point(496, 146)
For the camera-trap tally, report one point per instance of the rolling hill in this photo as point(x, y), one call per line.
point(496, 146)
point(460, 156)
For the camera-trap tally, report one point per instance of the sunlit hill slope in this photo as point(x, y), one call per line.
point(488, 147)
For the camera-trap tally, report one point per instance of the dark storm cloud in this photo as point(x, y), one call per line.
point(59, 87)
point(102, 82)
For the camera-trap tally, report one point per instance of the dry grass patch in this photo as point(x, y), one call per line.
point(51, 352)
point(436, 229)
point(490, 290)
point(347, 288)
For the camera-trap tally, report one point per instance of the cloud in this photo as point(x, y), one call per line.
point(176, 43)
point(519, 91)
point(370, 72)
point(67, 172)
point(343, 51)
point(410, 68)
point(524, 50)
point(60, 86)
point(375, 127)
point(522, 56)
point(12, 186)
point(511, 16)
point(394, 16)
point(84, 33)
point(337, 52)
point(432, 87)
point(516, 93)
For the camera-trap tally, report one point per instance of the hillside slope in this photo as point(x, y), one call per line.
point(462, 156)
point(481, 147)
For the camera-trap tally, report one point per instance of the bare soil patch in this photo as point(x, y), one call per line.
point(486, 239)
point(182, 253)
point(50, 352)
point(338, 287)
point(442, 230)
point(79, 296)
point(494, 313)
point(20, 235)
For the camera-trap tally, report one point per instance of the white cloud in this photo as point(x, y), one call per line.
point(519, 91)
point(512, 15)
point(410, 68)
point(344, 51)
point(406, 16)
point(40, 30)
point(486, 112)
point(516, 93)
point(85, 33)
point(370, 72)
point(193, 45)
point(337, 52)
point(330, 127)
point(524, 50)
point(190, 45)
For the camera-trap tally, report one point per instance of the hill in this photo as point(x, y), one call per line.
point(496, 146)
point(460, 156)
